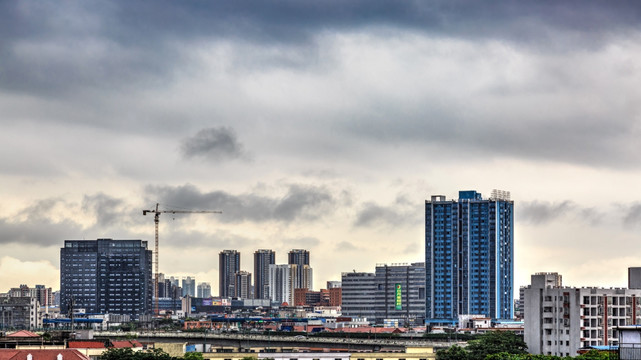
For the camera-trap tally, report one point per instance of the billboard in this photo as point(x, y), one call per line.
point(398, 297)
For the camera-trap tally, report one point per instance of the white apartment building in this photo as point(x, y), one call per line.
point(561, 320)
point(281, 283)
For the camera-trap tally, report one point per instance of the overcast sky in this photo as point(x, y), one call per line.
point(321, 125)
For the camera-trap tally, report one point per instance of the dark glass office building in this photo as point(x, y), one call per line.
point(106, 276)
point(469, 256)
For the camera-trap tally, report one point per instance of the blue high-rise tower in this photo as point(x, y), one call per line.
point(469, 256)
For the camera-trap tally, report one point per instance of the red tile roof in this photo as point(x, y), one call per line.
point(86, 345)
point(49, 354)
point(118, 344)
point(23, 333)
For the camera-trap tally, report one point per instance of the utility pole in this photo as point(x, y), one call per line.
point(157, 213)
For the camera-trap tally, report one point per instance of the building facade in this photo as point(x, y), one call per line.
point(169, 288)
point(204, 290)
point(561, 320)
point(634, 278)
point(300, 258)
point(359, 294)
point(262, 259)
point(243, 285)
point(281, 283)
point(106, 276)
point(333, 284)
point(189, 286)
point(394, 291)
point(228, 266)
point(400, 293)
point(43, 294)
point(20, 312)
point(325, 297)
point(469, 256)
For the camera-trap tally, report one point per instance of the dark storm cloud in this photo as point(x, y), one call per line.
point(54, 47)
point(537, 213)
point(300, 202)
point(213, 144)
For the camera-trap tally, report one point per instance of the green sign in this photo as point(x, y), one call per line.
point(398, 297)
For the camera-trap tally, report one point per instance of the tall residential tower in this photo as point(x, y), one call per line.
point(304, 276)
point(469, 256)
point(262, 259)
point(228, 265)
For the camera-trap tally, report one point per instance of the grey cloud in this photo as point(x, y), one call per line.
point(345, 246)
point(48, 222)
point(400, 213)
point(107, 210)
point(213, 144)
point(302, 242)
point(41, 233)
point(56, 47)
point(572, 136)
point(592, 216)
point(632, 216)
point(215, 241)
point(300, 202)
point(413, 248)
point(34, 226)
point(536, 212)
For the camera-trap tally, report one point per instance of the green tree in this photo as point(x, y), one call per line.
point(454, 352)
point(597, 355)
point(508, 356)
point(129, 354)
point(495, 342)
point(193, 356)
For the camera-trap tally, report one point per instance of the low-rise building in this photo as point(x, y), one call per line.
point(561, 320)
point(20, 313)
point(393, 292)
point(48, 354)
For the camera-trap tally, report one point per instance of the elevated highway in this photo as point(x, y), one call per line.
point(244, 342)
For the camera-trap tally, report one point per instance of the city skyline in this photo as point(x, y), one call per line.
point(318, 126)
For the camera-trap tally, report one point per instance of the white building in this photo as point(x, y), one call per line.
point(282, 279)
point(561, 320)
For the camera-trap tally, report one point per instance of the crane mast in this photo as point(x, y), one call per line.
point(157, 213)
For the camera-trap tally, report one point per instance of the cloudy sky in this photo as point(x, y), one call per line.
point(318, 125)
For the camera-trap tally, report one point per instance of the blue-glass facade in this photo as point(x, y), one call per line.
point(469, 256)
point(106, 276)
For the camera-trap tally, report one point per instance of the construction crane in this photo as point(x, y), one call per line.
point(157, 213)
